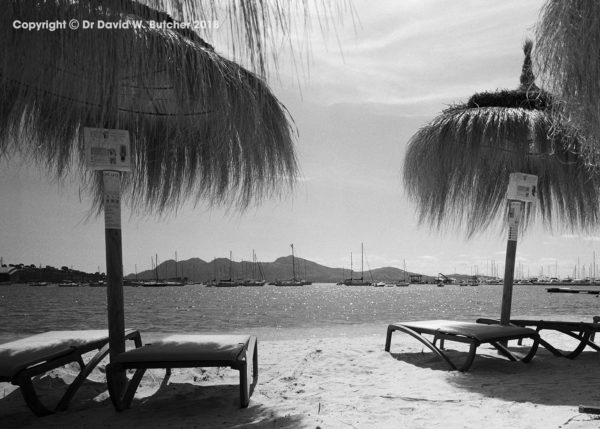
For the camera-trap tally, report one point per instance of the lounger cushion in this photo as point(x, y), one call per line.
point(18, 355)
point(482, 333)
point(183, 348)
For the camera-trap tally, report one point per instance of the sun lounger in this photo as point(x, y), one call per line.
point(470, 333)
point(239, 352)
point(583, 332)
point(22, 360)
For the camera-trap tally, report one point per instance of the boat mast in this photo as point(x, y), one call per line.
point(230, 256)
point(351, 267)
point(361, 262)
point(293, 263)
point(404, 262)
point(156, 268)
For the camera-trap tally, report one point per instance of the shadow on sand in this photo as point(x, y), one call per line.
point(176, 405)
point(546, 380)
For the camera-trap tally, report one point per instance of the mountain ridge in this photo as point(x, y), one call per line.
point(198, 270)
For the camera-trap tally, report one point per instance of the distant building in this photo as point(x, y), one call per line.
point(9, 274)
point(416, 278)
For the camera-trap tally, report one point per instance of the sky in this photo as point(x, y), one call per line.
point(365, 91)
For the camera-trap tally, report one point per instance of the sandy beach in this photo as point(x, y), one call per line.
point(339, 382)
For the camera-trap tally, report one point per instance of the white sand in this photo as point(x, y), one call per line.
point(337, 383)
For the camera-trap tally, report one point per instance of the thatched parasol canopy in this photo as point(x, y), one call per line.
point(457, 167)
point(568, 56)
point(202, 127)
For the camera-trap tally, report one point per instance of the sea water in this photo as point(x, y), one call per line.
point(276, 312)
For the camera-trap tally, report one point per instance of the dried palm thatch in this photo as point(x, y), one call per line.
point(457, 167)
point(255, 30)
point(568, 55)
point(202, 127)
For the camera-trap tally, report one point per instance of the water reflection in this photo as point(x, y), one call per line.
point(27, 309)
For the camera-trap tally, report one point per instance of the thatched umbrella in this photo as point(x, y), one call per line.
point(568, 55)
point(201, 126)
point(457, 167)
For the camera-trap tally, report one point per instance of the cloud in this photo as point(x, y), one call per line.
point(579, 237)
point(414, 52)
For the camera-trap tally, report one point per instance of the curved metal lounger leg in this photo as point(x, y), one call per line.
point(423, 340)
point(83, 374)
point(508, 354)
point(470, 358)
point(249, 364)
point(584, 340)
point(532, 351)
point(254, 367)
point(136, 337)
point(504, 351)
point(590, 342)
point(583, 337)
point(122, 400)
point(87, 369)
point(31, 398)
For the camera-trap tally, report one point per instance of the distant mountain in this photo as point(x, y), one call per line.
point(197, 270)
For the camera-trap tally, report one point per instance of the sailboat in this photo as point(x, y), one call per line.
point(305, 281)
point(357, 282)
point(256, 269)
point(403, 283)
point(156, 282)
point(293, 281)
point(228, 282)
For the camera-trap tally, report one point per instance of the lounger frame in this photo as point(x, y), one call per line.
point(581, 331)
point(34, 368)
point(245, 361)
point(473, 342)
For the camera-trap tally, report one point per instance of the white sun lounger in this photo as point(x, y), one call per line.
point(239, 352)
point(22, 360)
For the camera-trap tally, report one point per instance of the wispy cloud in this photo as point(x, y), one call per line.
point(579, 237)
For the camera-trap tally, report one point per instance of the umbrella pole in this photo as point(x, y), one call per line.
point(114, 268)
point(514, 215)
point(509, 271)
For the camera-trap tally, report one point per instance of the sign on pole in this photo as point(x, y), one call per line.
point(522, 187)
point(112, 199)
point(107, 149)
point(515, 209)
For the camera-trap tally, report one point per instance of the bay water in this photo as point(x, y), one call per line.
point(276, 312)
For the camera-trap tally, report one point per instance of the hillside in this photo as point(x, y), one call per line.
point(198, 270)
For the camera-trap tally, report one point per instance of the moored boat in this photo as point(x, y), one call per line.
point(256, 269)
point(293, 281)
point(403, 282)
point(227, 282)
point(357, 282)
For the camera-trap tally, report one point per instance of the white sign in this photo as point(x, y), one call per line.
point(107, 149)
point(522, 187)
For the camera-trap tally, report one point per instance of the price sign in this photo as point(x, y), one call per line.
point(522, 187)
point(107, 149)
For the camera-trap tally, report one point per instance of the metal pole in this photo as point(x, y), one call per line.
point(114, 268)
